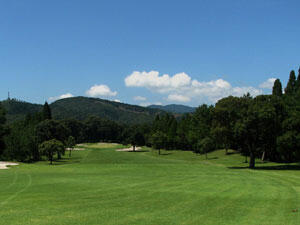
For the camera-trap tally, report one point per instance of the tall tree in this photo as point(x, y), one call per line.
point(277, 88)
point(70, 144)
point(291, 85)
point(158, 140)
point(225, 117)
point(3, 130)
point(298, 82)
point(47, 115)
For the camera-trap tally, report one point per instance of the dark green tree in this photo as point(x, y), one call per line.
point(158, 140)
point(277, 88)
point(137, 139)
point(3, 129)
point(291, 85)
point(226, 113)
point(47, 115)
point(50, 148)
point(206, 145)
point(298, 82)
point(70, 144)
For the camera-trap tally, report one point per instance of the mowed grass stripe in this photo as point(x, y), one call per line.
point(103, 186)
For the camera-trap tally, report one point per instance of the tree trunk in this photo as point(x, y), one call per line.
point(58, 155)
point(263, 156)
point(205, 155)
point(246, 159)
point(133, 148)
point(226, 151)
point(70, 150)
point(159, 151)
point(51, 158)
point(252, 161)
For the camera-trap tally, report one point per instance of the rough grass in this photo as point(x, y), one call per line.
point(103, 186)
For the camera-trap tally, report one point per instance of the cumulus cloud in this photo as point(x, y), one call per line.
point(67, 95)
point(117, 100)
point(100, 91)
point(139, 98)
point(153, 81)
point(268, 84)
point(178, 98)
point(182, 88)
point(145, 104)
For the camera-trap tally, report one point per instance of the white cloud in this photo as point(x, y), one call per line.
point(182, 88)
point(100, 90)
point(153, 81)
point(139, 98)
point(67, 95)
point(117, 100)
point(268, 84)
point(178, 98)
point(145, 104)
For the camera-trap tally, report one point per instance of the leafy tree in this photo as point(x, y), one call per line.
point(158, 140)
point(70, 144)
point(288, 144)
point(137, 139)
point(51, 147)
point(47, 115)
point(277, 88)
point(291, 85)
point(51, 129)
point(206, 145)
point(225, 116)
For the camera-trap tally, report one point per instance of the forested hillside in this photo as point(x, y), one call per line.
point(16, 109)
point(81, 108)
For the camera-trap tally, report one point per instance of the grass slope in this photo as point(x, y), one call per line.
point(102, 186)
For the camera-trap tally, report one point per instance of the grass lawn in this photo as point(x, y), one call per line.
point(103, 186)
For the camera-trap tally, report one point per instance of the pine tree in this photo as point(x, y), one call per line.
point(47, 112)
point(277, 88)
point(291, 85)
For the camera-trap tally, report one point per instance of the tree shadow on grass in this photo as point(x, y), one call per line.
point(139, 151)
point(279, 167)
point(211, 158)
point(167, 153)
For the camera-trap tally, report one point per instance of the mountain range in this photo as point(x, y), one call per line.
point(82, 107)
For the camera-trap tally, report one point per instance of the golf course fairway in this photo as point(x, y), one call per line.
point(100, 185)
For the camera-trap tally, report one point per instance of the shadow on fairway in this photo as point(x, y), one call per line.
point(281, 167)
point(211, 158)
point(169, 153)
point(139, 151)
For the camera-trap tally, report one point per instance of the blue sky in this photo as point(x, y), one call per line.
point(143, 52)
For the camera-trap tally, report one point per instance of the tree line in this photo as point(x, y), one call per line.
point(265, 126)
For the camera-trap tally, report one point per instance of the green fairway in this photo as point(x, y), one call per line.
point(103, 186)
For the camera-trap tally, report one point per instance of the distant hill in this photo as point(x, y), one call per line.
point(174, 108)
point(82, 107)
point(16, 109)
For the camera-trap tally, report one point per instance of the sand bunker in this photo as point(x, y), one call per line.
point(3, 165)
point(128, 149)
point(76, 149)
